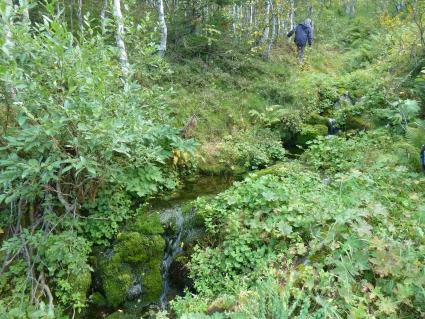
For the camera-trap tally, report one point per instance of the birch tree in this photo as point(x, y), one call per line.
point(266, 30)
point(8, 45)
point(103, 16)
point(162, 28)
point(292, 15)
point(272, 39)
point(71, 15)
point(120, 38)
point(80, 15)
point(350, 7)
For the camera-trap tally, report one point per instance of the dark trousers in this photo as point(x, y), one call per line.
point(300, 50)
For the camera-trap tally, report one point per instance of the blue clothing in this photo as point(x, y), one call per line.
point(303, 34)
point(423, 157)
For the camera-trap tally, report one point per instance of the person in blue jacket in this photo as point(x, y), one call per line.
point(303, 34)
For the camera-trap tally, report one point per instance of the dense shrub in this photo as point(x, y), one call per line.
point(73, 127)
point(292, 244)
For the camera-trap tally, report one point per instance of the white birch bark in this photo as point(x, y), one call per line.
point(280, 20)
point(162, 28)
point(272, 39)
point(251, 14)
point(266, 30)
point(103, 16)
point(234, 19)
point(8, 44)
point(80, 15)
point(350, 7)
point(71, 15)
point(292, 15)
point(120, 38)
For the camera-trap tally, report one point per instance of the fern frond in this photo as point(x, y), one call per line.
point(415, 136)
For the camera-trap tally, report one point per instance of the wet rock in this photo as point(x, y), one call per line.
point(344, 100)
point(134, 291)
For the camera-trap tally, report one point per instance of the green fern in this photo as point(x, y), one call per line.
point(415, 136)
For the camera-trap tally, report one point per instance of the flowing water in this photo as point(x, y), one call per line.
point(179, 228)
point(172, 249)
point(178, 225)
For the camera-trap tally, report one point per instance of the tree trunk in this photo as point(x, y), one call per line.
point(266, 30)
point(71, 15)
point(350, 7)
point(8, 46)
point(120, 38)
point(234, 19)
point(280, 20)
point(80, 15)
point(272, 39)
point(400, 6)
point(103, 16)
point(292, 16)
point(251, 14)
point(162, 28)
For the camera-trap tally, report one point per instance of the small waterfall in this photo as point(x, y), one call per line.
point(174, 219)
point(332, 127)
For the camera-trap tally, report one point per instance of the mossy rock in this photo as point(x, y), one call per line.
point(135, 259)
point(316, 119)
point(310, 132)
point(117, 278)
point(98, 299)
point(147, 225)
point(358, 123)
point(134, 247)
point(272, 170)
point(152, 282)
point(81, 284)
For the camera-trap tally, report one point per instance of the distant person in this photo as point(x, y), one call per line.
point(303, 34)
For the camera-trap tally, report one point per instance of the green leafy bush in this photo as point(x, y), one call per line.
point(291, 243)
point(251, 149)
point(74, 127)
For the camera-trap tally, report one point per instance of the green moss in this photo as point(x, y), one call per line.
point(152, 283)
point(132, 247)
point(137, 256)
point(272, 170)
point(81, 284)
point(310, 132)
point(117, 278)
point(317, 119)
point(358, 123)
point(148, 225)
point(98, 299)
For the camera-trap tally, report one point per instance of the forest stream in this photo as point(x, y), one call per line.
point(176, 214)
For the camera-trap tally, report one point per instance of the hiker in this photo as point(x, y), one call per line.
point(303, 34)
